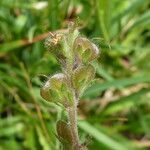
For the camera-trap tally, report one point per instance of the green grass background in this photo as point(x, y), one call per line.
point(114, 113)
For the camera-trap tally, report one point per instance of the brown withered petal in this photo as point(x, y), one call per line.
point(54, 43)
point(53, 40)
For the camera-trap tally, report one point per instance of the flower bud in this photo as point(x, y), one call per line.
point(82, 77)
point(85, 49)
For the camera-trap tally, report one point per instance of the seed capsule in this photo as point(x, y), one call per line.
point(82, 77)
point(64, 132)
point(85, 49)
point(56, 90)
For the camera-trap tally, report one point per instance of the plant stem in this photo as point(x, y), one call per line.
point(72, 117)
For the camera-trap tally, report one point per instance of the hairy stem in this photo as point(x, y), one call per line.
point(72, 117)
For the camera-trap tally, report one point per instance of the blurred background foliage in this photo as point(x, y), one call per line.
point(114, 113)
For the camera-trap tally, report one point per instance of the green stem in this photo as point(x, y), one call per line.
point(72, 117)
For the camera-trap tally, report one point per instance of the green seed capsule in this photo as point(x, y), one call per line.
point(85, 49)
point(57, 80)
point(82, 77)
point(65, 135)
point(56, 90)
point(51, 91)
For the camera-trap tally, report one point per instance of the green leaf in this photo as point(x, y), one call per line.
point(102, 137)
point(133, 6)
point(42, 139)
point(11, 130)
point(126, 102)
point(120, 83)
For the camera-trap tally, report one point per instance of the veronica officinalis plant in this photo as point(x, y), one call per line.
point(75, 53)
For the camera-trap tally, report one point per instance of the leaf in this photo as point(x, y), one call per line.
point(102, 137)
point(125, 102)
point(6, 47)
point(142, 20)
point(42, 139)
point(102, 72)
point(134, 6)
point(11, 130)
point(120, 83)
point(31, 141)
